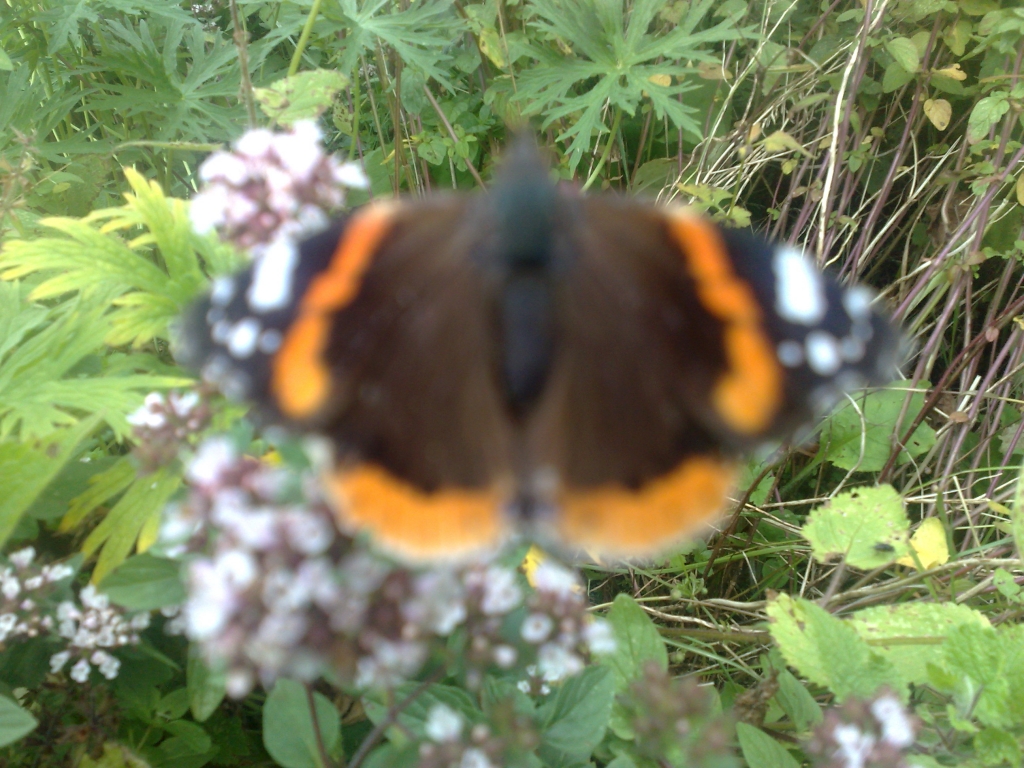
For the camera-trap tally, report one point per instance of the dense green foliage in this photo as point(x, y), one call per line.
point(884, 135)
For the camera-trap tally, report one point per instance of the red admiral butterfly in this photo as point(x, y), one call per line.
point(592, 366)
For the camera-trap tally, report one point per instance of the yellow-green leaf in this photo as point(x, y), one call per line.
point(904, 51)
point(492, 47)
point(929, 544)
point(938, 111)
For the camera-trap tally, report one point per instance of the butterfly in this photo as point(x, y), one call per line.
point(590, 368)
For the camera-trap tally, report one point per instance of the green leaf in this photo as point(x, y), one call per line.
point(413, 717)
point(288, 732)
point(828, 651)
point(904, 51)
point(119, 530)
point(28, 469)
point(995, 746)
point(860, 437)
point(574, 721)
point(984, 670)
point(206, 687)
point(910, 635)
point(895, 77)
point(15, 722)
point(762, 751)
point(145, 583)
point(867, 526)
point(300, 97)
point(986, 113)
point(614, 60)
point(637, 642)
point(797, 702)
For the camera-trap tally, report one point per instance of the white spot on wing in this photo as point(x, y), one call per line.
point(823, 353)
point(857, 302)
point(242, 341)
point(271, 286)
point(790, 353)
point(220, 331)
point(222, 291)
point(270, 341)
point(799, 289)
point(851, 348)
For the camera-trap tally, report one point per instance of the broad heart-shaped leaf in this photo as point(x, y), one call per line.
point(867, 526)
point(574, 720)
point(614, 63)
point(911, 635)
point(15, 722)
point(862, 440)
point(828, 651)
point(637, 643)
point(300, 97)
point(27, 469)
point(986, 113)
point(145, 583)
point(904, 51)
point(762, 751)
point(288, 732)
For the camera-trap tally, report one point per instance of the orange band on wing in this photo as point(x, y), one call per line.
point(301, 378)
point(748, 395)
point(617, 521)
point(413, 523)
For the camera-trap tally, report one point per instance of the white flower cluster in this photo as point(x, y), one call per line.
point(163, 423)
point(90, 629)
point(26, 611)
point(875, 733)
point(22, 588)
point(560, 629)
point(271, 186)
point(451, 744)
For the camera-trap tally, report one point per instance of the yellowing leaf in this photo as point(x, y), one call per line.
point(929, 542)
point(1020, 189)
point(780, 141)
point(493, 48)
point(663, 80)
point(953, 72)
point(938, 111)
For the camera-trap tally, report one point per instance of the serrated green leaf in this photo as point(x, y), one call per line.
point(995, 747)
point(867, 527)
point(860, 437)
point(985, 114)
point(288, 731)
point(117, 533)
point(762, 751)
point(910, 635)
point(637, 643)
point(28, 468)
point(797, 702)
point(828, 651)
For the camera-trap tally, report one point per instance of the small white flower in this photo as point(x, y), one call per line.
point(443, 724)
point(555, 578)
point(307, 533)
point(599, 636)
point(92, 599)
point(475, 758)
point(501, 592)
point(23, 557)
point(33, 582)
point(68, 611)
point(10, 587)
point(211, 461)
point(505, 656)
point(207, 209)
point(236, 569)
point(107, 664)
point(255, 143)
point(854, 745)
point(80, 672)
point(57, 572)
point(58, 660)
point(140, 621)
point(238, 683)
point(536, 628)
point(897, 728)
point(524, 686)
point(224, 166)
point(557, 663)
point(351, 175)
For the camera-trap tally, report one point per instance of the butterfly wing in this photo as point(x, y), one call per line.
point(668, 368)
point(389, 353)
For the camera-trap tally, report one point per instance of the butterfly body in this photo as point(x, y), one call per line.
point(592, 366)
